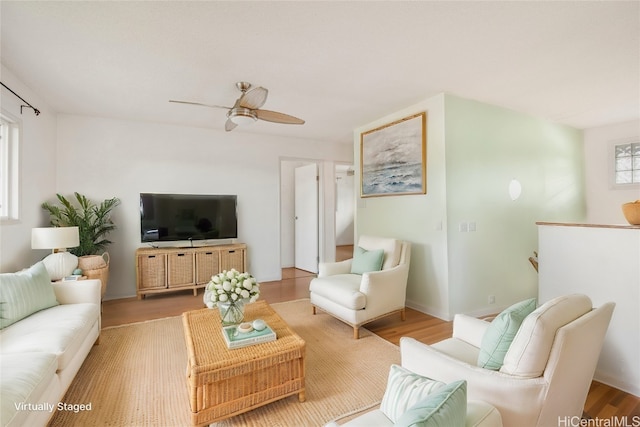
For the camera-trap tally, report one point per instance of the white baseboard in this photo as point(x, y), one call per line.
point(617, 382)
point(435, 312)
point(431, 311)
point(486, 311)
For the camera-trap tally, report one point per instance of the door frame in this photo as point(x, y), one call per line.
point(306, 217)
point(338, 168)
point(326, 196)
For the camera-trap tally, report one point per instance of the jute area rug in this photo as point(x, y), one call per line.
point(137, 375)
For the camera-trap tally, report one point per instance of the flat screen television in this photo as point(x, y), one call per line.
point(175, 217)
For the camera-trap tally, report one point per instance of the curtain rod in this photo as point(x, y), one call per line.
point(35, 110)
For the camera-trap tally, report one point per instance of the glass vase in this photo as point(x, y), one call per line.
point(231, 312)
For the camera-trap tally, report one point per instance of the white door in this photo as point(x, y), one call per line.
point(306, 218)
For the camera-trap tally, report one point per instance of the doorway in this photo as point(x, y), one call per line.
point(344, 207)
point(306, 226)
point(336, 208)
point(287, 209)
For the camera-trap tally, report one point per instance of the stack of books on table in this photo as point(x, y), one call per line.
point(236, 339)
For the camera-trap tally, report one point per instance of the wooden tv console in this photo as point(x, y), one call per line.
point(169, 269)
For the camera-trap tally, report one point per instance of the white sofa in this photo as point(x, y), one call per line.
point(478, 413)
point(42, 349)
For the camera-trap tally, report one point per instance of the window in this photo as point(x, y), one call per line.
point(9, 161)
point(627, 163)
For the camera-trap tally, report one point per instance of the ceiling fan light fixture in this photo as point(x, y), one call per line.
point(242, 116)
point(247, 109)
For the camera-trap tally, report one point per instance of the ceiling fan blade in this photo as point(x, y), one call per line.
point(199, 104)
point(229, 125)
point(253, 98)
point(275, 117)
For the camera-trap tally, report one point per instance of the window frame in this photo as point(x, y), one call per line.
point(10, 158)
point(612, 164)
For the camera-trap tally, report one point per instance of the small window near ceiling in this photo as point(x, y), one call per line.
point(9, 163)
point(627, 163)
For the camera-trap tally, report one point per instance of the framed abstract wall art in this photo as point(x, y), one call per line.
point(393, 158)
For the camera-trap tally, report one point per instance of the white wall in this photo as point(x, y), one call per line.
point(603, 199)
point(37, 174)
point(105, 158)
point(602, 263)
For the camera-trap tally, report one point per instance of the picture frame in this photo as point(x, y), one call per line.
point(393, 158)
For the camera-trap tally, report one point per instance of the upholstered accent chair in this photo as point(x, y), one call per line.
point(367, 287)
point(547, 369)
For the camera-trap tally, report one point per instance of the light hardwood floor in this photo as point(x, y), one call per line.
point(603, 402)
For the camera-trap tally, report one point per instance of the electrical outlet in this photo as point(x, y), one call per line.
point(463, 227)
point(472, 226)
point(492, 299)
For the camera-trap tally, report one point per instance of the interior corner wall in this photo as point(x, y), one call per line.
point(37, 172)
point(474, 150)
point(487, 147)
point(419, 219)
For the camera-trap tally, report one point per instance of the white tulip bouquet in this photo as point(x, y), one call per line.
point(231, 286)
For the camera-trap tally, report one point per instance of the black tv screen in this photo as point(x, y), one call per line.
point(173, 217)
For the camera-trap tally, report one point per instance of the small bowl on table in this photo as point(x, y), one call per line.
point(631, 212)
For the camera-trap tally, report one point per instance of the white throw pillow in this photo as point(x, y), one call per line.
point(405, 389)
point(528, 354)
point(391, 247)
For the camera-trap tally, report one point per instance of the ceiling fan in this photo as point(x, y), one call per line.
point(246, 109)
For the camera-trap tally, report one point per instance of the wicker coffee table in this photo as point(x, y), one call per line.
point(223, 383)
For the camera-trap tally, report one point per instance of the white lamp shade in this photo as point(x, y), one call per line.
point(55, 237)
point(242, 120)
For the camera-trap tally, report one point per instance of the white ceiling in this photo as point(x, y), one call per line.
point(338, 65)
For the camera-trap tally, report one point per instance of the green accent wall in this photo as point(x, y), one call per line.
point(474, 150)
point(486, 148)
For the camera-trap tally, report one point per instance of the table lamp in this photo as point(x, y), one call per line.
point(59, 263)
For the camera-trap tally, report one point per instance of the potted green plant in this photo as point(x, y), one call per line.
point(94, 223)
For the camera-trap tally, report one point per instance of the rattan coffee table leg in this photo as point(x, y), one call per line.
point(301, 396)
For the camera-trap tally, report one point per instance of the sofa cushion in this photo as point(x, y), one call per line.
point(24, 293)
point(370, 418)
point(446, 406)
point(501, 332)
point(527, 357)
point(343, 289)
point(405, 389)
point(26, 377)
point(458, 349)
point(59, 330)
point(480, 413)
point(365, 261)
point(391, 248)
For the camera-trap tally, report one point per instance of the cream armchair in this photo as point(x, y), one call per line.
point(547, 369)
point(357, 299)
